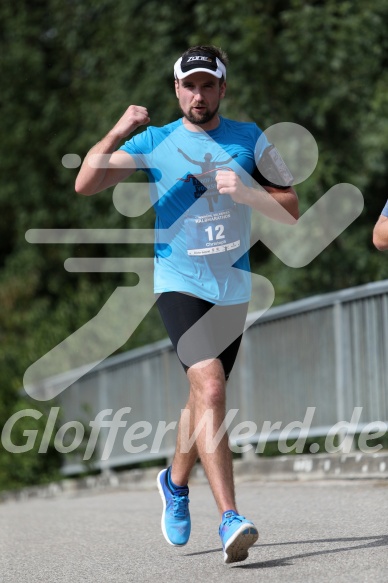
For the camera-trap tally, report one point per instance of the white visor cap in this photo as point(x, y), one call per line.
point(200, 62)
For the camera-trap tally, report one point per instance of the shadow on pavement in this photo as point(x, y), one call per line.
point(367, 542)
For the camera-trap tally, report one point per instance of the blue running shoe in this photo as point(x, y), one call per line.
point(237, 535)
point(176, 524)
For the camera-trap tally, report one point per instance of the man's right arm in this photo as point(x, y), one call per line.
point(104, 166)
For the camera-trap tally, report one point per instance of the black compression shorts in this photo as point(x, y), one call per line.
point(218, 335)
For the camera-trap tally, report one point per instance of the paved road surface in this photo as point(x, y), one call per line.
point(310, 532)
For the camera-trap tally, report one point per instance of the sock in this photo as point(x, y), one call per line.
point(173, 487)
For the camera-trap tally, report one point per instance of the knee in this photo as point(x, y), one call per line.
point(211, 393)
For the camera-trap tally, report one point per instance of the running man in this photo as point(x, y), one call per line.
point(203, 277)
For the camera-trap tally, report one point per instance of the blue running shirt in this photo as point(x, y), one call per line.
point(202, 238)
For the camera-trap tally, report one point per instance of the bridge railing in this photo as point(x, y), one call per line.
point(302, 367)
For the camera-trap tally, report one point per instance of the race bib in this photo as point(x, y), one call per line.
point(215, 232)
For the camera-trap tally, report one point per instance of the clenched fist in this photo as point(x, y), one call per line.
point(134, 117)
point(228, 182)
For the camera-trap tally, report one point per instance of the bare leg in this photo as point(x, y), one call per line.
point(185, 456)
point(208, 402)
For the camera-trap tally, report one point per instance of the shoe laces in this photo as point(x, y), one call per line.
point(180, 505)
point(229, 519)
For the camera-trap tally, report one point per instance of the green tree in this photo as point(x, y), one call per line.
point(70, 69)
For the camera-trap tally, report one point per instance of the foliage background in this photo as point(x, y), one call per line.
point(70, 68)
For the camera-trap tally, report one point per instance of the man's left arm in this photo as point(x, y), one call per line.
point(286, 197)
point(279, 204)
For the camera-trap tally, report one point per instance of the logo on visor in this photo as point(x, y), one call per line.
point(199, 58)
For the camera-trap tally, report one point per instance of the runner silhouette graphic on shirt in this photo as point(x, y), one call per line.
point(207, 184)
